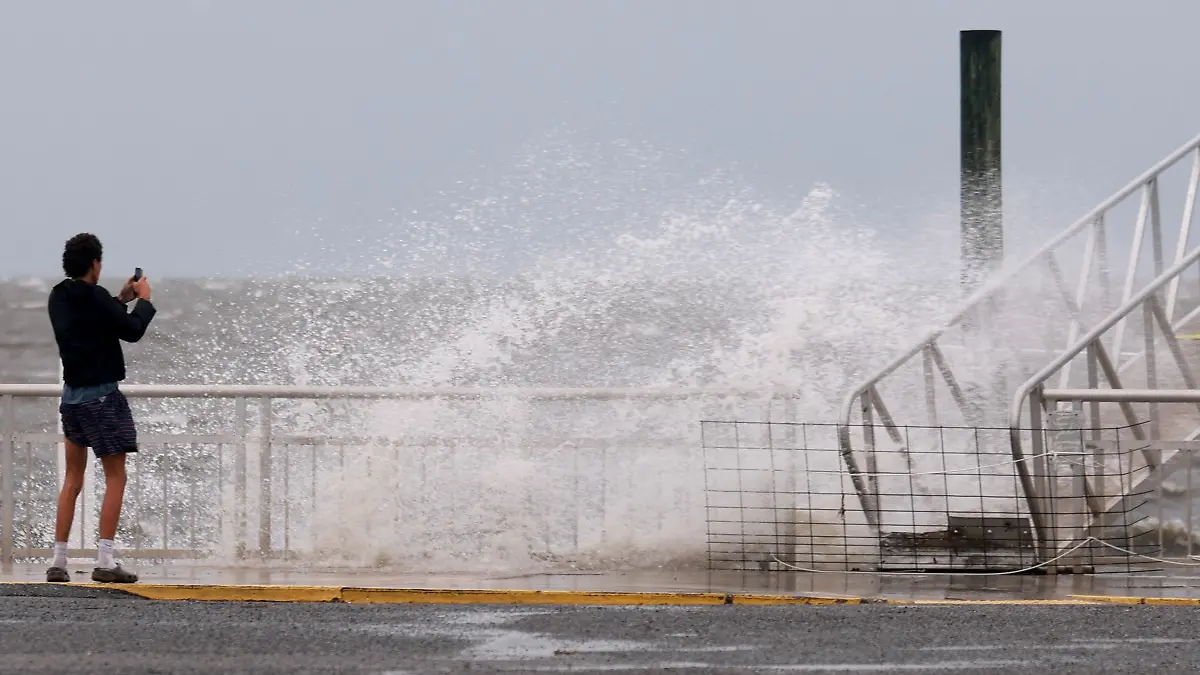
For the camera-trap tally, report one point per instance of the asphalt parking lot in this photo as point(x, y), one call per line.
point(120, 634)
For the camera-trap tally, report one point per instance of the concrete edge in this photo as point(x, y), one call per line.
point(1136, 600)
point(385, 595)
point(382, 595)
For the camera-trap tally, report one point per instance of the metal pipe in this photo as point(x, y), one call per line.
point(240, 524)
point(1124, 395)
point(1103, 270)
point(1135, 254)
point(1156, 240)
point(930, 390)
point(405, 393)
point(264, 477)
point(872, 459)
point(1185, 229)
point(1151, 364)
point(1085, 274)
point(1028, 483)
point(8, 434)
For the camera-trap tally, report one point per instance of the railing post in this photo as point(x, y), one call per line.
point(790, 507)
point(239, 477)
point(1151, 365)
point(8, 441)
point(1069, 507)
point(264, 464)
point(872, 459)
point(1099, 489)
point(1037, 449)
point(1187, 516)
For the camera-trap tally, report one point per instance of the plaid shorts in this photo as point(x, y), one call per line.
point(104, 424)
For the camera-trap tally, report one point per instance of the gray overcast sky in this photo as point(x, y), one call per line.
point(232, 137)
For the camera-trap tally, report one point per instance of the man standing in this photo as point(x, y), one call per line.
point(88, 327)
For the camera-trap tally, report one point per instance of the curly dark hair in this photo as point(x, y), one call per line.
point(79, 254)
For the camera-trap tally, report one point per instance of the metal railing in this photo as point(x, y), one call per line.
point(1160, 433)
point(1142, 477)
point(1008, 317)
point(242, 472)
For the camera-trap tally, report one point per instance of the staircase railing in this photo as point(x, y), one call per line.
point(983, 328)
point(1154, 457)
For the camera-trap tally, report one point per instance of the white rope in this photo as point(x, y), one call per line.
point(925, 574)
point(1147, 557)
point(1023, 570)
point(948, 472)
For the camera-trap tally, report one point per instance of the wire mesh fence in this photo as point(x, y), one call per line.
point(778, 497)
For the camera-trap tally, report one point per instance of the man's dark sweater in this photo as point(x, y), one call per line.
point(88, 326)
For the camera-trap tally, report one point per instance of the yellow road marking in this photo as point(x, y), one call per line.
point(1134, 600)
point(367, 595)
point(760, 599)
point(525, 597)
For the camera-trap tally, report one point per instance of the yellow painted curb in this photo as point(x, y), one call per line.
point(1134, 600)
point(230, 593)
point(379, 595)
point(1073, 600)
point(797, 600)
point(366, 595)
point(526, 597)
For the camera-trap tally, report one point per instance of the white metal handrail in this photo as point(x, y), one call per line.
point(1023, 396)
point(998, 282)
point(247, 440)
point(1106, 324)
point(1122, 395)
point(866, 396)
point(404, 393)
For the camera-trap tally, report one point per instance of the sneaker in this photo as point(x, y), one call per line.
point(113, 575)
point(57, 575)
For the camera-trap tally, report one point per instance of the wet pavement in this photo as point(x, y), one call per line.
point(1185, 584)
point(39, 635)
point(981, 636)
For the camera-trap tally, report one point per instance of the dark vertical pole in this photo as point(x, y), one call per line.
point(980, 177)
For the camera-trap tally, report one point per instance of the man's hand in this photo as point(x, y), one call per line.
point(128, 291)
point(141, 288)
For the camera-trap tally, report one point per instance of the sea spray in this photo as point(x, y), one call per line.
point(713, 289)
point(622, 271)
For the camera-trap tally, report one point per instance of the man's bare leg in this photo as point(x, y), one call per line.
point(114, 495)
point(107, 568)
point(72, 486)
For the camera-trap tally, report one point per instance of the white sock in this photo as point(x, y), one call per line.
point(106, 557)
point(60, 555)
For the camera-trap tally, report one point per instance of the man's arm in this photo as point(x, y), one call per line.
point(128, 293)
point(129, 326)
